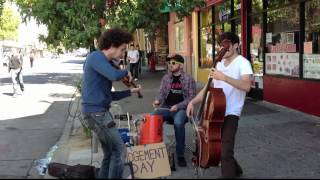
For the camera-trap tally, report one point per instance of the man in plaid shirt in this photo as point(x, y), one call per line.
point(176, 90)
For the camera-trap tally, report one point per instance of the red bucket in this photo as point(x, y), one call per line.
point(151, 129)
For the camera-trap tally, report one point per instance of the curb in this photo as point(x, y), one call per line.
point(62, 153)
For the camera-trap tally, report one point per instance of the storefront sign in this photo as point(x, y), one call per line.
point(224, 14)
point(307, 47)
point(268, 37)
point(283, 64)
point(311, 66)
point(279, 48)
point(290, 38)
point(149, 161)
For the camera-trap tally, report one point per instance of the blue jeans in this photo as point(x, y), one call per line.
point(179, 118)
point(112, 145)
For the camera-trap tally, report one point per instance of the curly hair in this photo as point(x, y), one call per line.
point(114, 37)
point(230, 36)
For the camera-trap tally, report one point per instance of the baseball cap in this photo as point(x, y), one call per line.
point(177, 58)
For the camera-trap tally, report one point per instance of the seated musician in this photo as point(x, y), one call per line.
point(176, 90)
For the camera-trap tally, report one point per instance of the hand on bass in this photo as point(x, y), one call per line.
point(190, 108)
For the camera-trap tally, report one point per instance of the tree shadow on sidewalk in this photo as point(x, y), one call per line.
point(26, 139)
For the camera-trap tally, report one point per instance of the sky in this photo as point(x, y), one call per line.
point(29, 31)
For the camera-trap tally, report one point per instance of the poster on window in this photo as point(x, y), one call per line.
point(282, 64)
point(311, 66)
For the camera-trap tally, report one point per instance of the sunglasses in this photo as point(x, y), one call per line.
point(174, 62)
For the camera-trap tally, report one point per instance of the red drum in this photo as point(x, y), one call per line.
point(151, 129)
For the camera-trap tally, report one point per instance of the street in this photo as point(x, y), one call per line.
point(32, 123)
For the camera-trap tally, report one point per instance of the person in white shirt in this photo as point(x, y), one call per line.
point(133, 57)
point(233, 74)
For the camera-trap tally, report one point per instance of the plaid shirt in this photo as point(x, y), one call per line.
point(188, 89)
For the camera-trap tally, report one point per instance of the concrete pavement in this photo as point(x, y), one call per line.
point(272, 141)
point(32, 123)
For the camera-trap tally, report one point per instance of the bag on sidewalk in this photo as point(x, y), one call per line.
point(64, 171)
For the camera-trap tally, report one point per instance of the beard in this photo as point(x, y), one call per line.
point(174, 70)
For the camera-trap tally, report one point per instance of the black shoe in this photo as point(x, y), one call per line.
point(239, 172)
point(22, 87)
point(182, 162)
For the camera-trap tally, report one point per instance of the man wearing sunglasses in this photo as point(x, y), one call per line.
point(233, 75)
point(176, 90)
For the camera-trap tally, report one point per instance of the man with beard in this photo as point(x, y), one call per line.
point(176, 90)
point(233, 74)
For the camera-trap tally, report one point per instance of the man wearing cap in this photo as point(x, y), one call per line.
point(176, 90)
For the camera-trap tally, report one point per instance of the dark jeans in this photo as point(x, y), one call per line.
point(179, 119)
point(134, 69)
point(17, 79)
point(31, 63)
point(112, 145)
point(229, 165)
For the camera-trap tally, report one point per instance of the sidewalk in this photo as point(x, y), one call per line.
point(272, 141)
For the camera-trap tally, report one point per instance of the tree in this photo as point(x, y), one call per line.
point(9, 23)
point(70, 23)
point(146, 14)
point(1, 5)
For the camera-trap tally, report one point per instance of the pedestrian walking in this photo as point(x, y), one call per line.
point(133, 57)
point(176, 90)
point(233, 75)
point(15, 68)
point(97, 97)
point(31, 57)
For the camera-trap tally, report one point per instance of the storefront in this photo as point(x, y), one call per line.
point(280, 38)
point(180, 39)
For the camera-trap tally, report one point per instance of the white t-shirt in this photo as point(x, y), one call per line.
point(234, 97)
point(134, 54)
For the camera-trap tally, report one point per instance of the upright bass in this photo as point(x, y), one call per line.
point(211, 118)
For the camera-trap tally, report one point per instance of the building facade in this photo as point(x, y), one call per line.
point(279, 38)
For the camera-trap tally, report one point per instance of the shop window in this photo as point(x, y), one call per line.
point(222, 13)
point(206, 17)
point(280, 3)
point(311, 57)
point(282, 41)
point(179, 36)
point(256, 44)
point(257, 6)
point(206, 57)
point(236, 7)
